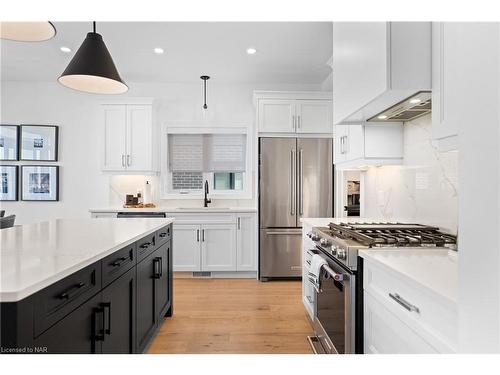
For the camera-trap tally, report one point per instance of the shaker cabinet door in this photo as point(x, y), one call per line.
point(246, 242)
point(277, 116)
point(146, 300)
point(80, 332)
point(186, 242)
point(118, 301)
point(139, 138)
point(115, 138)
point(218, 247)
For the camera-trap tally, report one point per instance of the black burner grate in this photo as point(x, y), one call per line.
point(392, 234)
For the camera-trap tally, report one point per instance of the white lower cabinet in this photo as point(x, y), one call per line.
point(186, 242)
point(384, 332)
point(215, 242)
point(246, 242)
point(218, 247)
point(401, 316)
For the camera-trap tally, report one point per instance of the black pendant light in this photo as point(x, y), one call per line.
point(27, 31)
point(92, 69)
point(205, 78)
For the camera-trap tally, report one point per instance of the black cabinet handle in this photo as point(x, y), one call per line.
point(70, 292)
point(161, 267)
point(107, 305)
point(145, 245)
point(98, 331)
point(118, 262)
point(164, 234)
point(156, 269)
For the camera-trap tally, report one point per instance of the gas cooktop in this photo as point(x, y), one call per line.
point(342, 241)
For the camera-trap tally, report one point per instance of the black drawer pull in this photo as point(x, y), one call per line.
point(67, 294)
point(145, 245)
point(164, 234)
point(156, 268)
point(98, 333)
point(118, 262)
point(107, 305)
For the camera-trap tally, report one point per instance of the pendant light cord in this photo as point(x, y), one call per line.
point(205, 93)
point(93, 24)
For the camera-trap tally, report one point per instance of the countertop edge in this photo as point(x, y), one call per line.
point(365, 254)
point(18, 296)
point(174, 210)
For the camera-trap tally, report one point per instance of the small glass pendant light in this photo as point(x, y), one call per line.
point(204, 112)
point(27, 31)
point(92, 68)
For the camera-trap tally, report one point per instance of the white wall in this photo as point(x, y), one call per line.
point(82, 185)
point(423, 190)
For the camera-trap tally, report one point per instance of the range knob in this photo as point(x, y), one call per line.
point(333, 250)
point(314, 237)
point(324, 242)
point(341, 254)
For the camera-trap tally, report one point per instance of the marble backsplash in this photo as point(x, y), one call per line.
point(422, 190)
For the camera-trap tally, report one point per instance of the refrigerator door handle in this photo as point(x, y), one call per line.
point(292, 182)
point(301, 192)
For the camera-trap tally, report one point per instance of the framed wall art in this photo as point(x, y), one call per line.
point(8, 182)
point(40, 183)
point(9, 142)
point(39, 142)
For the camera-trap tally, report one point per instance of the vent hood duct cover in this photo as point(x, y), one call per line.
point(409, 109)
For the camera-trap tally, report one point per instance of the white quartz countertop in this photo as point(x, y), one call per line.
point(176, 209)
point(434, 269)
point(35, 256)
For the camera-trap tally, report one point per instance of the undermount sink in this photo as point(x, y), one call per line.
point(204, 208)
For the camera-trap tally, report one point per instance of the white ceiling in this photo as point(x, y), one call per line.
point(287, 52)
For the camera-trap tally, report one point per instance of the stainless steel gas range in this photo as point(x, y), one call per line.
point(338, 322)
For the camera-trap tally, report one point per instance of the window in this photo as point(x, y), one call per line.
point(218, 158)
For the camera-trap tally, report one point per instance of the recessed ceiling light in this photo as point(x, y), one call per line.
point(251, 51)
point(158, 50)
point(65, 49)
point(382, 117)
point(415, 101)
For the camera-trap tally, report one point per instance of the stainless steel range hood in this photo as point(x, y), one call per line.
point(409, 109)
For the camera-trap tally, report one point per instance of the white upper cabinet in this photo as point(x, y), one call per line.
point(376, 65)
point(128, 138)
point(314, 116)
point(139, 138)
point(294, 112)
point(369, 144)
point(277, 116)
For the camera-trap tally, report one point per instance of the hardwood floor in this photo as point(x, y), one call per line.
point(235, 316)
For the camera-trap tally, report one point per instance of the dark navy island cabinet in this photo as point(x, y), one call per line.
point(114, 306)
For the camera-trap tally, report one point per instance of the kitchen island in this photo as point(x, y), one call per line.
point(84, 285)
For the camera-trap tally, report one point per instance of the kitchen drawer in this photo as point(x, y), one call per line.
point(437, 317)
point(118, 263)
point(146, 246)
point(56, 301)
point(163, 235)
point(385, 333)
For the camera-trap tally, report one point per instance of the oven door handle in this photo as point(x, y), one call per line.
point(335, 276)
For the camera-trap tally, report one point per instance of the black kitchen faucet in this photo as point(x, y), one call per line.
point(207, 200)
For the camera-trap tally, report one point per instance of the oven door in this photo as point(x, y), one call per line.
point(334, 324)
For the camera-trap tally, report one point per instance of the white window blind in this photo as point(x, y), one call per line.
point(207, 152)
point(185, 152)
point(226, 153)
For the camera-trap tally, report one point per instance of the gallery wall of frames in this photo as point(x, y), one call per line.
point(27, 154)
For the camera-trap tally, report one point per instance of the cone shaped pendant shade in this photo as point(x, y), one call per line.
point(92, 69)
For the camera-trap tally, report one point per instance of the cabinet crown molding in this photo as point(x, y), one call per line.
point(307, 95)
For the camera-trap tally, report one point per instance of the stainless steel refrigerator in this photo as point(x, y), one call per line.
point(295, 181)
